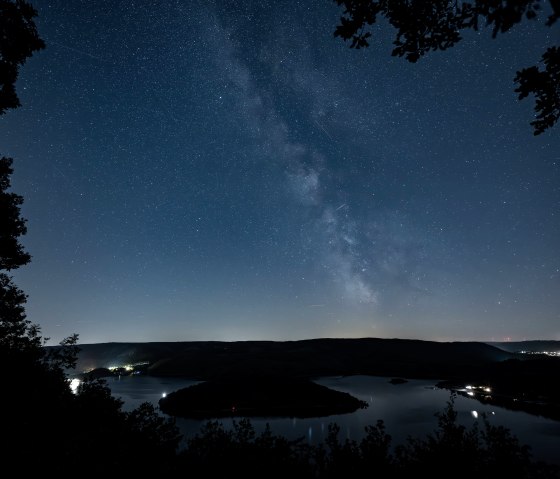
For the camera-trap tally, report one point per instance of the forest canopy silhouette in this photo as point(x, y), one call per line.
point(424, 26)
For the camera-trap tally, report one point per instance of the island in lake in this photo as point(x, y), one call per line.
point(276, 396)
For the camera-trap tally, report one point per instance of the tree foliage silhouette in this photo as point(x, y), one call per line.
point(43, 423)
point(423, 26)
point(452, 449)
point(15, 329)
point(483, 450)
point(18, 40)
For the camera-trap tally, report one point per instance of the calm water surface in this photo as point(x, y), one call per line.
point(406, 409)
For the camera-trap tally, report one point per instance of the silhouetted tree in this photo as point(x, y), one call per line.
point(487, 451)
point(451, 450)
point(545, 85)
point(109, 440)
point(12, 254)
point(239, 452)
point(43, 424)
point(15, 330)
point(424, 26)
point(18, 40)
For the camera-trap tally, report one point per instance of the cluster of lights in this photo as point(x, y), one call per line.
point(548, 353)
point(128, 367)
point(471, 390)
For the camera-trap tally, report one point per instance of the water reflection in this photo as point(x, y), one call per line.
point(136, 389)
point(407, 410)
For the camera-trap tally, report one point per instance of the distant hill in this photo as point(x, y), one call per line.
point(307, 358)
point(527, 382)
point(531, 346)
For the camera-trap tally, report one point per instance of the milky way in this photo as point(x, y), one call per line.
point(231, 171)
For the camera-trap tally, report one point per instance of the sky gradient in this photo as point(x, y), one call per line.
point(231, 171)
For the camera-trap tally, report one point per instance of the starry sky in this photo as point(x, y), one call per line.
point(228, 170)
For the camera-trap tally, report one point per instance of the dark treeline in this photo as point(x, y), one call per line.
point(451, 450)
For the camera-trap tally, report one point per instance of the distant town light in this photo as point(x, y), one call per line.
point(164, 395)
point(474, 414)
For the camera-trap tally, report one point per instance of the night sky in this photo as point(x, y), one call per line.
point(231, 171)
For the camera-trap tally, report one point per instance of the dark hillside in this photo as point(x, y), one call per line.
point(307, 358)
point(522, 381)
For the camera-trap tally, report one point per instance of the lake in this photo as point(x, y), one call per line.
point(406, 409)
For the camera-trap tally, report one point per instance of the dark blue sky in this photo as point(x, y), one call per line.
point(229, 171)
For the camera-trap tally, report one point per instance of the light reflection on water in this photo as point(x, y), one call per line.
point(406, 409)
point(136, 389)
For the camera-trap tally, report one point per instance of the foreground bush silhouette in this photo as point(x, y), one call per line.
point(44, 424)
point(451, 450)
point(239, 452)
point(486, 451)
